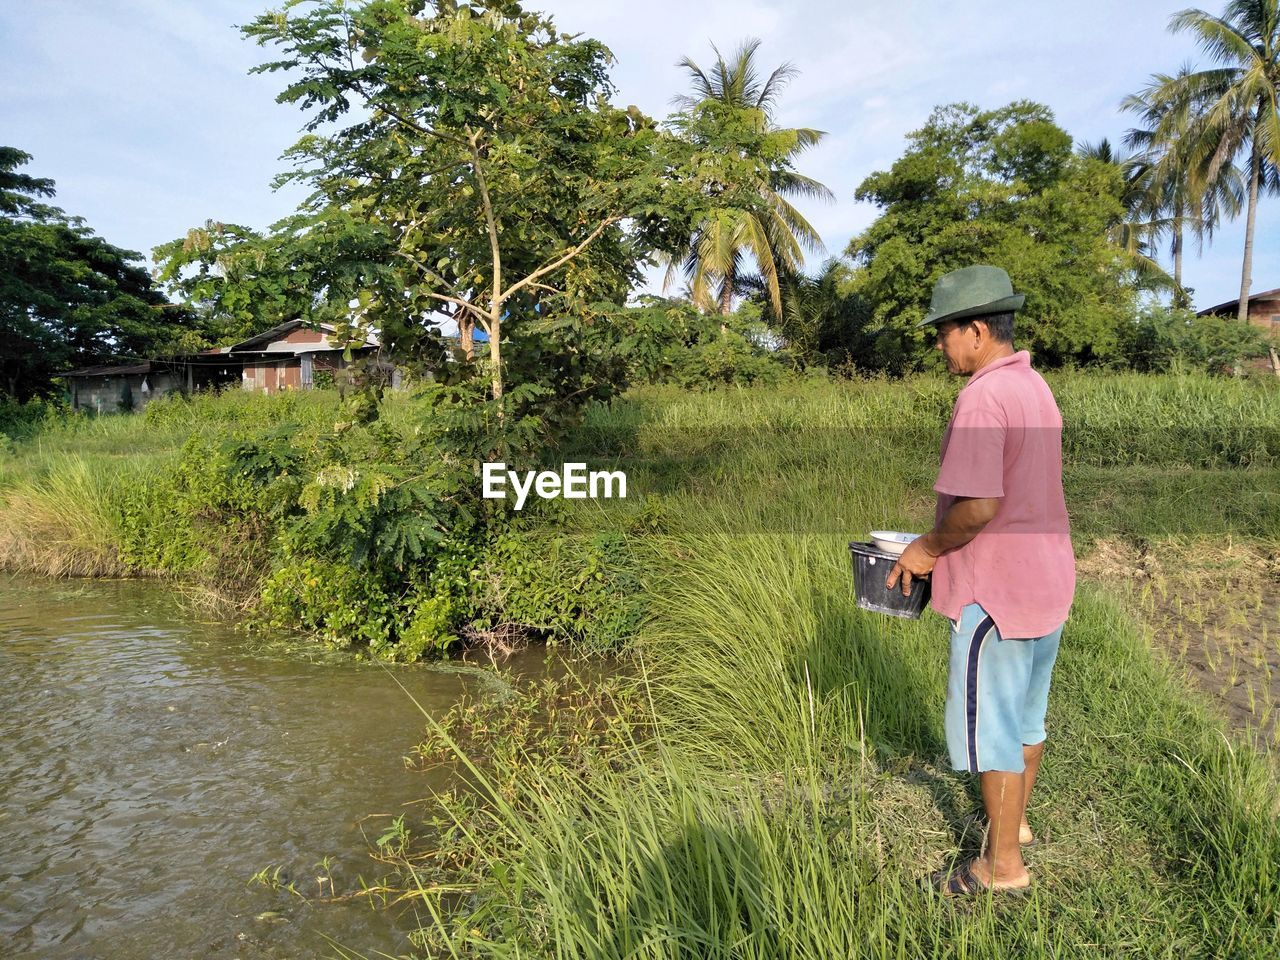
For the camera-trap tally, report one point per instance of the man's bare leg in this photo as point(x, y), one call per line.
point(1031, 754)
point(1003, 795)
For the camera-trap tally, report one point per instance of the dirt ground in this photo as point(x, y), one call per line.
point(1214, 611)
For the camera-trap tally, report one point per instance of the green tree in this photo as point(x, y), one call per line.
point(484, 160)
point(1163, 197)
point(1230, 110)
point(1001, 187)
point(239, 281)
point(67, 297)
point(822, 321)
point(1138, 229)
point(730, 119)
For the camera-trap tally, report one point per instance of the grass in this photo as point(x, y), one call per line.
point(772, 784)
point(63, 490)
point(61, 522)
point(786, 789)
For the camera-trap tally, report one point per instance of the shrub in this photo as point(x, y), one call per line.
point(582, 588)
point(1164, 340)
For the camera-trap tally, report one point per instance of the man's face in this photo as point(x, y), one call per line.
point(957, 346)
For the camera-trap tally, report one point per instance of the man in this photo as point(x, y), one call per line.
point(1000, 556)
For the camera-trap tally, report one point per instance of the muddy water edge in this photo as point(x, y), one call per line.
point(152, 765)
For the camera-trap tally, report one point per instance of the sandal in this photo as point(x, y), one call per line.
point(962, 883)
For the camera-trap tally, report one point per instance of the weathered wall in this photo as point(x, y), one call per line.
point(114, 394)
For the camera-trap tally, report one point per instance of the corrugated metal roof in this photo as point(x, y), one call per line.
point(1235, 304)
point(265, 342)
point(107, 370)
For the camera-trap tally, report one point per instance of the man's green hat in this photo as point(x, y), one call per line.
point(971, 292)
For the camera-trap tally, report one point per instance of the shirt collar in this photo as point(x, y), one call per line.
point(1020, 359)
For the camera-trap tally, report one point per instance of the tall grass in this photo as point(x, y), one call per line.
point(792, 790)
point(65, 521)
point(794, 797)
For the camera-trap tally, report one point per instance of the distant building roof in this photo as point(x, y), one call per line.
point(107, 370)
point(1235, 304)
point(272, 341)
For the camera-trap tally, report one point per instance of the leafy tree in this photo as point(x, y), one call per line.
point(1229, 110)
point(672, 341)
point(1001, 187)
point(730, 117)
point(480, 156)
point(240, 281)
point(822, 321)
point(1137, 230)
point(67, 297)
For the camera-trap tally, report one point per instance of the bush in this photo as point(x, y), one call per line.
point(582, 588)
point(1167, 340)
point(670, 341)
point(20, 421)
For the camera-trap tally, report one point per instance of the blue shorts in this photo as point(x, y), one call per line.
point(997, 693)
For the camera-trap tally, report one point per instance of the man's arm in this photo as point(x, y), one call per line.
point(962, 522)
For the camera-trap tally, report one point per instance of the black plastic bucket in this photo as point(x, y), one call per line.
point(871, 567)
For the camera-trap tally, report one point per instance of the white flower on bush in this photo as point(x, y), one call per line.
point(343, 478)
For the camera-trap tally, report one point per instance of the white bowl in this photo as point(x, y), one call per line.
point(891, 541)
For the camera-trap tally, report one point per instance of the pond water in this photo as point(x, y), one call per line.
point(152, 764)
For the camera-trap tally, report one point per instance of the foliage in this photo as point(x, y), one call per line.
point(823, 321)
point(513, 174)
point(1161, 340)
point(67, 297)
point(241, 282)
point(1227, 111)
point(671, 341)
point(20, 420)
point(730, 120)
point(1002, 187)
point(583, 589)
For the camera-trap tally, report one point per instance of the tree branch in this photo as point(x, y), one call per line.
point(431, 274)
point(557, 264)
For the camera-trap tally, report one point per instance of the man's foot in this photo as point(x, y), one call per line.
point(977, 877)
point(1025, 836)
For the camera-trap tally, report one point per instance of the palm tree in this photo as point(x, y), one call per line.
point(1138, 229)
point(774, 233)
point(821, 316)
point(1170, 196)
point(1220, 113)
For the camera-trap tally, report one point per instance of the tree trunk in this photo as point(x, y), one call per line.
point(1255, 169)
point(1179, 295)
point(467, 334)
point(726, 296)
point(495, 357)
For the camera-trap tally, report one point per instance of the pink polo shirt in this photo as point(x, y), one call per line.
point(1005, 440)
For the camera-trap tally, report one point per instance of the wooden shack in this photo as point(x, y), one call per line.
point(1264, 309)
point(292, 356)
point(116, 389)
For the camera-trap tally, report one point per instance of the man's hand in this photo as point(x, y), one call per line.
point(916, 561)
point(963, 521)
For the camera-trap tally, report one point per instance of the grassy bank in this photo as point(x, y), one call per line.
point(779, 785)
point(773, 784)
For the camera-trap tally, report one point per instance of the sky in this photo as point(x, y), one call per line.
point(144, 113)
